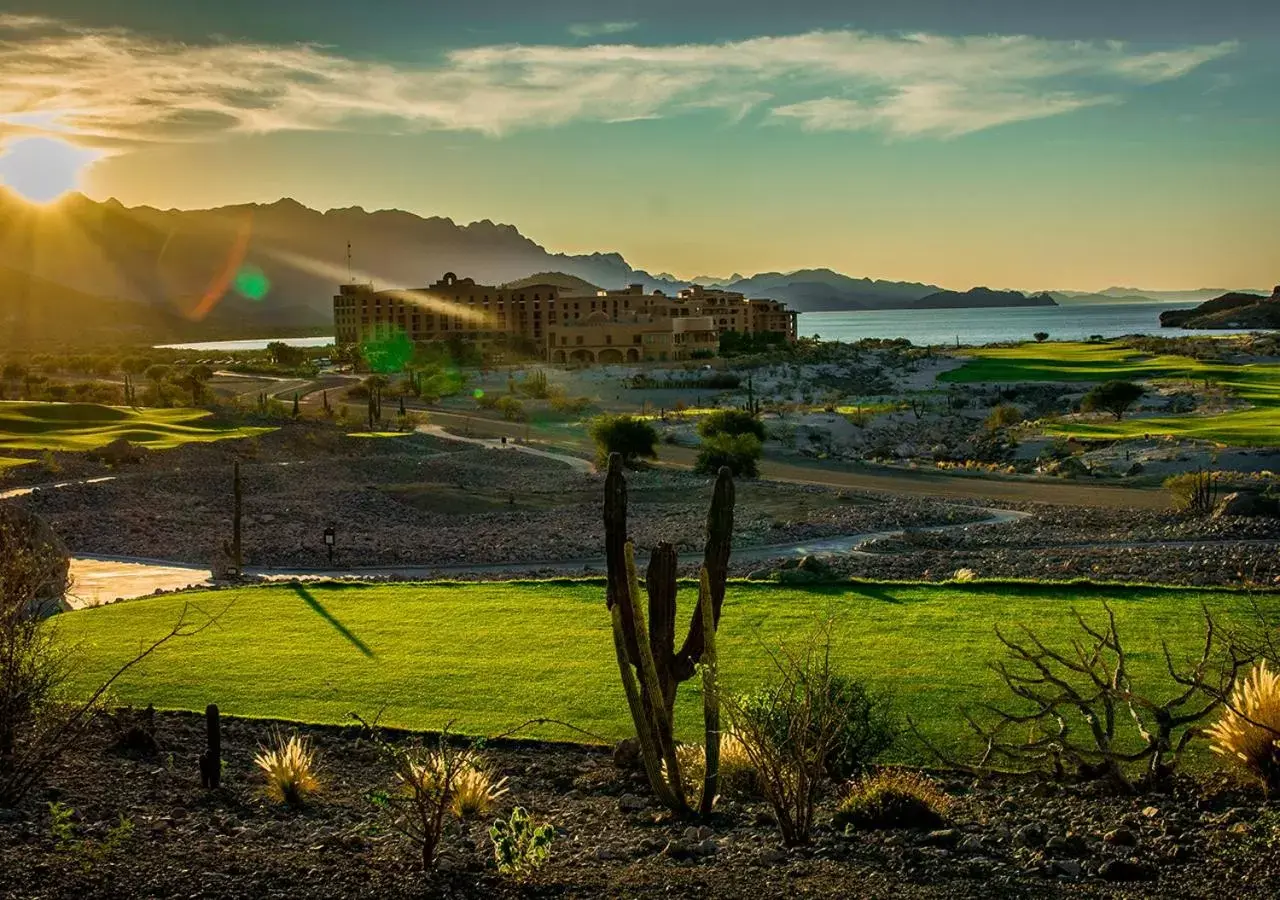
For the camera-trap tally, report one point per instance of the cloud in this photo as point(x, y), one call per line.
point(599, 29)
point(115, 88)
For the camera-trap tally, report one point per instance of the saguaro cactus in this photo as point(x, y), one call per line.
point(649, 663)
point(211, 759)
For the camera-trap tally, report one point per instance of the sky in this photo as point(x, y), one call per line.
point(1007, 143)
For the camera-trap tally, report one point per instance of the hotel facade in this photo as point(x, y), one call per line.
point(607, 327)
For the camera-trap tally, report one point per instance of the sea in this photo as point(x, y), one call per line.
point(920, 326)
point(990, 326)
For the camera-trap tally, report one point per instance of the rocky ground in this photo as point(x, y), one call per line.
point(1003, 839)
point(426, 501)
point(1099, 544)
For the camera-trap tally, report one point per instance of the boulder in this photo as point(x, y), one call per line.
point(120, 452)
point(35, 560)
point(1245, 504)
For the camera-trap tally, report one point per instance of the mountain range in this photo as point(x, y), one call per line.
point(255, 269)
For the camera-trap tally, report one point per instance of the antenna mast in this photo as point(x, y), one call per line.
point(350, 275)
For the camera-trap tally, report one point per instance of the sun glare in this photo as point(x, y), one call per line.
point(42, 170)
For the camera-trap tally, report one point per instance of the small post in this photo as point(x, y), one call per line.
point(330, 540)
point(211, 759)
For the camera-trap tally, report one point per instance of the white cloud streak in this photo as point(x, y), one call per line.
point(600, 29)
point(116, 88)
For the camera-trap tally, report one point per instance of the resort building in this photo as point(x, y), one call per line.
point(616, 326)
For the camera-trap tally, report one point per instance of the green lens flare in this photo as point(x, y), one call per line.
point(252, 283)
point(477, 393)
point(389, 353)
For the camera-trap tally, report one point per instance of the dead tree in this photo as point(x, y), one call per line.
point(649, 663)
point(1075, 704)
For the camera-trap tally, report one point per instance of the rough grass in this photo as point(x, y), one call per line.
point(490, 656)
point(6, 463)
point(1256, 384)
point(70, 427)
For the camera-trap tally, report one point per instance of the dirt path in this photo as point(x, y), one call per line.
point(930, 484)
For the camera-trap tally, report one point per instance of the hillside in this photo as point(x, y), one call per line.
point(981, 297)
point(1233, 310)
point(568, 283)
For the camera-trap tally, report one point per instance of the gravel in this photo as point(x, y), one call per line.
point(1004, 838)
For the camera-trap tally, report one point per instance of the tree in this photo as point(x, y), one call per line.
point(1115, 397)
point(1041, 336)
point(731, 422)
point(739, 453)
point(283, 354)
point(629, 437)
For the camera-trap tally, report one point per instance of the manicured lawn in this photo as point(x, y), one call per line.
point(490, 656)
point(6, 463)
point(88, 426)
point(1257, 384)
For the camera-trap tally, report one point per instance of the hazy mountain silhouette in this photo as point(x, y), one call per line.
point(266, 268)
point(981, 297)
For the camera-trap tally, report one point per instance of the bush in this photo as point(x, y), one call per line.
point(512, 409)
point(741, 453)
point(1249, 730)
point(893, 798)
point(864, 730)
point(290, 768)
point(1115, 397)
point(629, 437)
point(732, 422)
point(1193, 492)
point(1003, 416)
point(520, 847)
point(789, 730)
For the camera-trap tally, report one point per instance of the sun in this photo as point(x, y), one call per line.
point(41, 170)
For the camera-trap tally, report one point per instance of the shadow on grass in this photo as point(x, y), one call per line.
point(319, 609)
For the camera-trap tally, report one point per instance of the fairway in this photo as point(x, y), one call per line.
point(1257, 384)
point(490, 656)
point(71, 427)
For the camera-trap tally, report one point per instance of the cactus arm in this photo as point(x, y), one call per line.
point(650, 690)
point(716, 562)
point(710, 699)
point(644, 727)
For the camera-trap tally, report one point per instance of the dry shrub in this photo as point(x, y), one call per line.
point(893, 798)
point(1249, 729)
point(290, 768)
point(964, 575)
point(737, 772)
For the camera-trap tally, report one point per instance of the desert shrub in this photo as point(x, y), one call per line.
point(740, 453)
point(535, 385)
point(789, 730)
point(732, 422)
point(290, 768)
point(629, 437)
point(511, 408)
point(964, 575)
point(864, 726)
point(737, 772)
point(1041, 336)
point(1193, 492)
point(1249, 731)
point(893, 798)
point(569, 406)
point(67, 839)
point(519, 846)
point(475, 790)
point(1003, 416)
point(1115, 397)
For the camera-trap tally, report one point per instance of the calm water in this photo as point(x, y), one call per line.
point(920, 326)
point(987, 326)
point(227, 346)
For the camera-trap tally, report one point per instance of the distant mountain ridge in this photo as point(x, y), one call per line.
point(251, 268)
point(1231, 310)
point(981, 297)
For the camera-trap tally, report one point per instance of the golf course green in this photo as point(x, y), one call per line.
point(489, 656)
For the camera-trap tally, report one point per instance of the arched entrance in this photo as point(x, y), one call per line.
point(609, 357)
point(633, 355)
point(558, 356)
point(582, 356)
